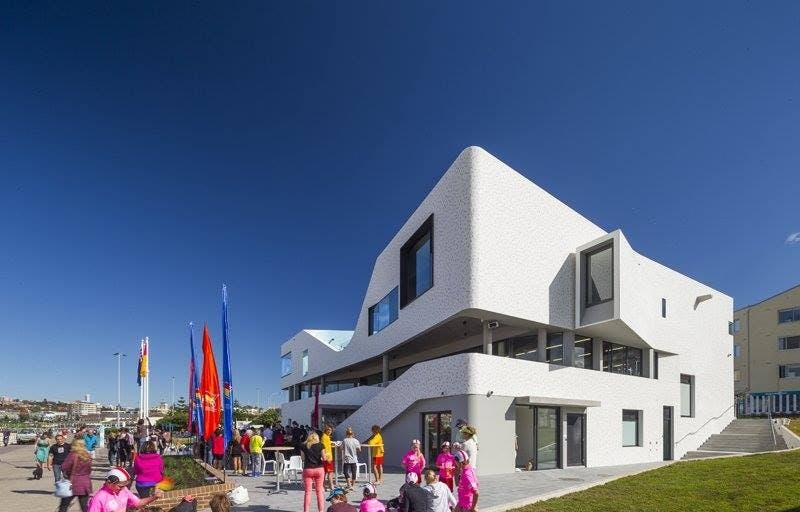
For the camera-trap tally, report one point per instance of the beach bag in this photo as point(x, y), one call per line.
point(63, 488)
point(239, 496)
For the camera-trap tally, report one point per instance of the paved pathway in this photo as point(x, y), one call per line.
point(498, 492)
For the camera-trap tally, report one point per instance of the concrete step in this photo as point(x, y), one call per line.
point(705, 455)
point(740, 436)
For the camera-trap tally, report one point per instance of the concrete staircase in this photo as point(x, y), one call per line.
point(741, 436)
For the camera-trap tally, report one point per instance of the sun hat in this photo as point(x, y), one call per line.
point(415, 441)
point(411, 478)
point(369, 489)
point(446, 443)
point(336, 491)
point(468, 429)
point(118, 475)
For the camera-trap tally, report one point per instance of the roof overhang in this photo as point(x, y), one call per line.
point(564, 402)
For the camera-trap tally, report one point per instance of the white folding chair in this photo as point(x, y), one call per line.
point(358, 469)
point(295, 464)
point(275, 463)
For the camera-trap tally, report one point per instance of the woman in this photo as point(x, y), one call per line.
point(112, 444)
point(470, 444)
point(148, 468)
point(114, 496)
point(278, 437)
point(446, 464)
point(314, 457)
point(217, 448)
point(40, 452)
point(235, 452)
point(414, 461)
point(328, 464)
point(77, 468)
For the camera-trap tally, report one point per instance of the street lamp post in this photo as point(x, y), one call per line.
point(173, 393)
point(258, 399)
point(119, 356)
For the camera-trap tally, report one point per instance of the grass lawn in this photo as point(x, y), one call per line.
point(769, 482)
point(794, 426)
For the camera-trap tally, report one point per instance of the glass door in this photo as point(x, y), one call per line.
point(548, 436)
point(436, 430)
point(576, 444)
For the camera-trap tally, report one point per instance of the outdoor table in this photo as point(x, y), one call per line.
point(278, 473)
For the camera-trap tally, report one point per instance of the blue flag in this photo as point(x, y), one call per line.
point(196, 407)
point(227, 386)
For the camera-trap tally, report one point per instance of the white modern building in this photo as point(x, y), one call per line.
point(497, 304)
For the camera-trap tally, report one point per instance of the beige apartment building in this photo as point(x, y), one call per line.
point(766, 349)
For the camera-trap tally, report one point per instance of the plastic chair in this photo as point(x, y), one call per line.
point(274, 466)
point(358, 468)
point(295, 464)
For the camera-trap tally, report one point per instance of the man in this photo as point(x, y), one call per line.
point(6, 436)
point(90, 438)
point(414, 497)
point(256, 445)
point(57, 456)
point(246, 449)
point(268, 436)
point(338, 499)
point(115, 496)
point(467, 483)
point(443, 499)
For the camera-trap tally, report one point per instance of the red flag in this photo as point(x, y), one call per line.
point(209, 388)
point(315, 412)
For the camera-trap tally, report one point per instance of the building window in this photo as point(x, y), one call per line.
point(663, 308)
point(622, 359)
point(737, 375)
point(789, 371)
point(305, 362)
point(383, 313)
point(416, 264)
point(655, 364)
point(737, 350)
point(687, 396)
point(600, 276)
point(525, 347)
point(286, 364)
point(734, 327)
point(631, 427)
point(788, 342)
point(789, 315)
point(583, 352)
point(555, 348)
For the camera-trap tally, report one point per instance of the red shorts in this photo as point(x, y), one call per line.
point(377, 461)
point(328, 465)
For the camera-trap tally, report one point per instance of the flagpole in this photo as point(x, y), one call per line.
point(147, 380)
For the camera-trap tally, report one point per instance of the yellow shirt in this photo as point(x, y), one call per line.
point(256, 443)
point(376, 439)
point(326, 444)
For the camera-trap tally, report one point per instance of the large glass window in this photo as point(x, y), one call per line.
point(687, 396)
point(547, 438)
point(583, 352)
point(789, 315)
point(416, 264)
point(383, 313)
point(622, 359)
point(332, 387)
point(555, 348)
point(655, 364)
point(631, 426)
point(599, 276)
point(305, 362)
point(525, 347)
point(788, 342)
point(286, 364)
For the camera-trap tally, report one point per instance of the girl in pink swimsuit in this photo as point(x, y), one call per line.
point(414, 461)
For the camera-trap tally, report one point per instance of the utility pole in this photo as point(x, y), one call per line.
point(119, 356)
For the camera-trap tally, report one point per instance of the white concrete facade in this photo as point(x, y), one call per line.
point(505, 250)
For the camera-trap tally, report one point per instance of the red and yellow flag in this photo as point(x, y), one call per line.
point(209, 388)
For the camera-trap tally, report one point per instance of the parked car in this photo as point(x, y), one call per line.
point(26, 435)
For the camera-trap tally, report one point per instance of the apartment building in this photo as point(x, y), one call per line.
point(767, 351)
point(499, 305)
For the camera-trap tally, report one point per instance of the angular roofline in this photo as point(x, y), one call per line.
point(768, 298)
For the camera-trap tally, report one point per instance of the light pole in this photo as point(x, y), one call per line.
point(119, 355)
point(258, 399)
point(172, 404)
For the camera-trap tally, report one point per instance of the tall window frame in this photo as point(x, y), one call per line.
point(410, 254)
point(384, 312)
point(687, 396)
point(286, 364)
point(588, 295)
point(304, 363)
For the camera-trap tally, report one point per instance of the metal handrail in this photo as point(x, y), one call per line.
point(772, 428)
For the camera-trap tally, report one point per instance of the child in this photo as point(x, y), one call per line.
point(446, 464)
point(414, 460)
point(467, 483)
point(376, 440)
point(370, 501)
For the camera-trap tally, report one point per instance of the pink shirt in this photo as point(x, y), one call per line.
point(106, 501)
point(414, 462)
point(467, 487)
point(370, 505)
point(446, 463)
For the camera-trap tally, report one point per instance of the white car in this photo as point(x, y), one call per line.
point(26, 435)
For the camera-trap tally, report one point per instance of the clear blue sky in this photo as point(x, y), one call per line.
point(151, 153)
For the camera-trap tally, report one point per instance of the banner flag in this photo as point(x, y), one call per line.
point(195, 404)
point(227, 386)
point(209, 388)
point(142, 369)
